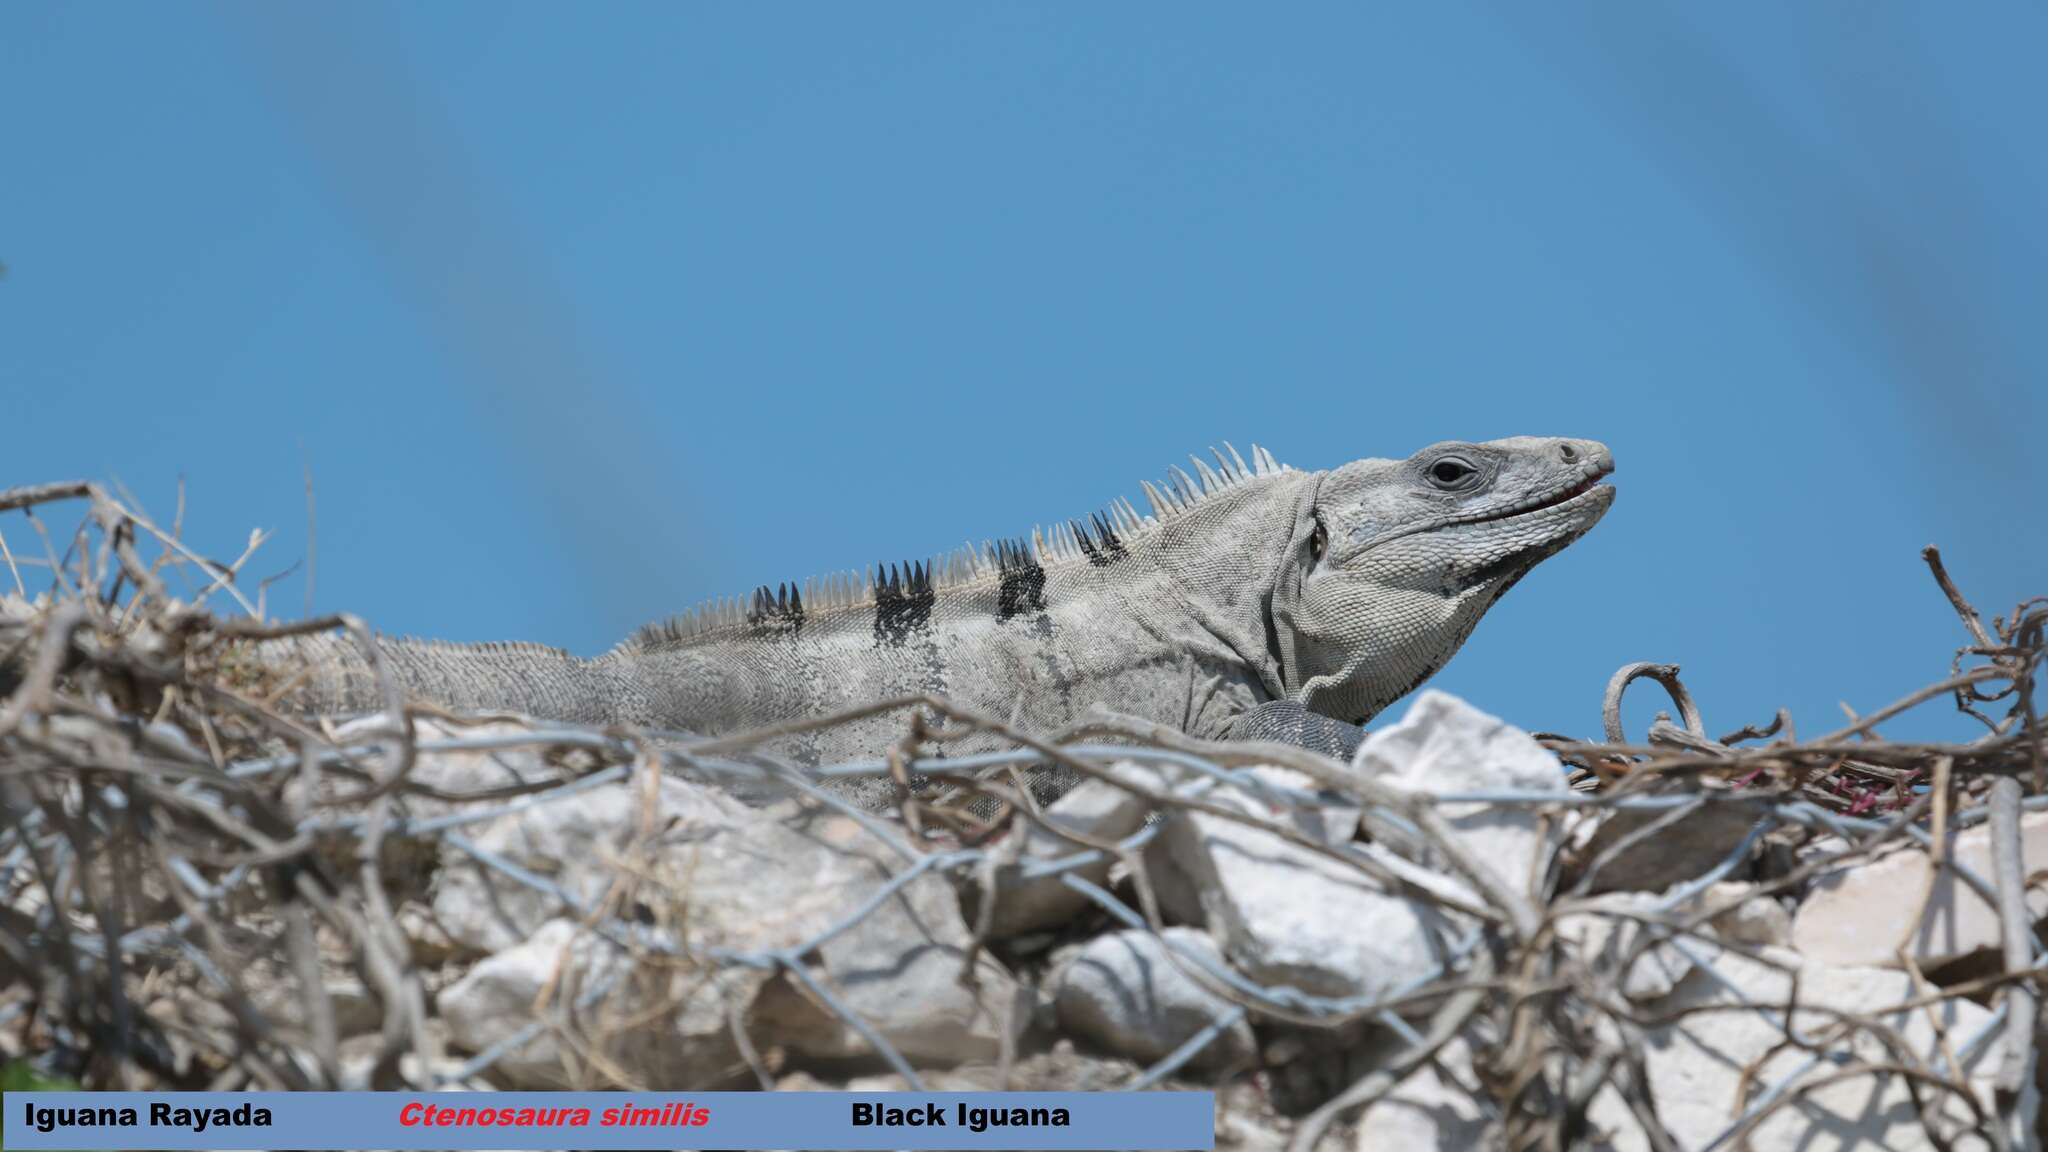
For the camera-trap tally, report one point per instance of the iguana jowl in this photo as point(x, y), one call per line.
point(1256, 601)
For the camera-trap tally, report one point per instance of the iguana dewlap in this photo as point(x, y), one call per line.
point(1255, 601)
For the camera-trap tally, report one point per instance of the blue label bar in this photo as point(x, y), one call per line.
point(560, 1120)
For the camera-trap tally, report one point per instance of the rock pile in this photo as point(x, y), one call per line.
point(1448, 942)
point(1261, 929)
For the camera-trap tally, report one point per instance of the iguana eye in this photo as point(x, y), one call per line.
point(1450, 472)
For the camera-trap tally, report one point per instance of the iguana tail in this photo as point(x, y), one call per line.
point(332, 674)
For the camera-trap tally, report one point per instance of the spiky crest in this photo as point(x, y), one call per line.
point(1097, 541)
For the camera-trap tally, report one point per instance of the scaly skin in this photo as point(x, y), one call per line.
point(1261, 602)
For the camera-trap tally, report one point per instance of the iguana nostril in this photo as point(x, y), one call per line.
point(1568, 452)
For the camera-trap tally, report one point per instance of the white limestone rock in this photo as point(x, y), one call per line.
point(457, 770)
point(577, 842)
point(1612, 927)
point(718, 878)
point(1436, 1109)
point(1611, 932)
point(1180, 899)
point(1444, 745)
point(1329, 822)
point(1284, 914)
point(902, 967)
point(1743, 917)
point(1287, 915)
point(1696, 1064)
point(1123, 993)
point(687, 1045)
point(462, 770)
point(1096, 809)
point(1864, 914)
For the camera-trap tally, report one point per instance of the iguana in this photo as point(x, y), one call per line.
point(1255, 601)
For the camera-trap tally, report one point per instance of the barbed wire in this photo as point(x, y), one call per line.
point(166, 831)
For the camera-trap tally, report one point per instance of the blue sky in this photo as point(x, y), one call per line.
point(581, 315)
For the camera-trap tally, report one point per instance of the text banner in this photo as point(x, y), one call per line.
point(560, 1120)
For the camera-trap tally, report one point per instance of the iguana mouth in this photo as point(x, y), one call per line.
point(1555, 499)
point(1582, 489)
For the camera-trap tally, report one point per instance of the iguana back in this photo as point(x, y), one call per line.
point(1253, 600)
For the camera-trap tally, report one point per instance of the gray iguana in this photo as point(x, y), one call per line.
point(1256, 601)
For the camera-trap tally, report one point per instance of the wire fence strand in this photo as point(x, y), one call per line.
point(190, 875)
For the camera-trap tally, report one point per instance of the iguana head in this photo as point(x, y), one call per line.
point(1392, 562)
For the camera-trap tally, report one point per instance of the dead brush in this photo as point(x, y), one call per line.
point(201, 889)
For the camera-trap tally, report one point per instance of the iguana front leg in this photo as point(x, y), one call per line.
point(1289, 722)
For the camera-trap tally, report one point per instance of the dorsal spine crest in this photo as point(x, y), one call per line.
point(905, 592)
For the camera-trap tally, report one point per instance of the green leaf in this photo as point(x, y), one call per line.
point(19, 1076)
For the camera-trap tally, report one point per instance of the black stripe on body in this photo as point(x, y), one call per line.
point(903, 602)
point(1021, 580)
point(1103, 547)
point(780, 612)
